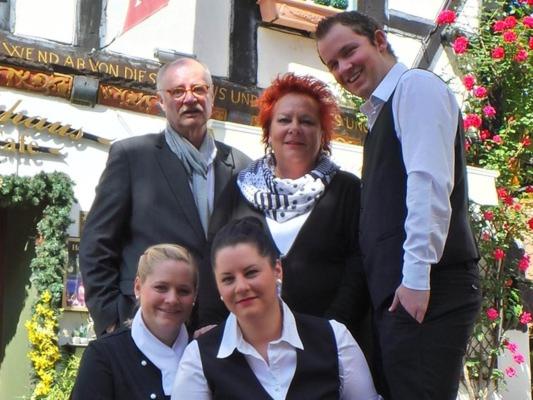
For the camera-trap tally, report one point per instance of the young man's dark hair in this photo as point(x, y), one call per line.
point(357, 22)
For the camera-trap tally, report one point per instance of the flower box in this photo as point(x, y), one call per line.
point(298, 14)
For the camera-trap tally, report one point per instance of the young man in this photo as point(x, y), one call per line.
point(156, 188)
point(418, 249)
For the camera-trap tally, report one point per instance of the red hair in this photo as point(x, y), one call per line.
point(306, 85)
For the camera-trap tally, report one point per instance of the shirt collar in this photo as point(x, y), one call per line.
point(232, 338)
point(385, 88)
point(163, 357)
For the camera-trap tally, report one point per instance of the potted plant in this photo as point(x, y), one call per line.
point(298, 14)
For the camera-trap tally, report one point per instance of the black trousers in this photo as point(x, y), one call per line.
point(424, 361)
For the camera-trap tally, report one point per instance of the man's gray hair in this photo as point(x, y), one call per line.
point(182, 62)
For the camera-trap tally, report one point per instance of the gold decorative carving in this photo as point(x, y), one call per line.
point(42, 82)
point(129, 99)
point(297, 14)
point(346, 139)
point(219, 113)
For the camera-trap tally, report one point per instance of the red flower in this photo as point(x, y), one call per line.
point(525, 318)
point(446, 17)
point(497, 139)
point(531, 43)
point(510, 372)
point(497, 53)
point(485, 236)
point(530, 223)
point(460, 45)
point(492, 314)
point(526, 141)
point(480, 92)
point(488, 215)
point(509, 36)
point(523, 264)
point(521, 55)
point(499, 26)
point(484, 134)
point(469, 81)
point(498, 254)
point(472, 120)
point(509, 282)
point(467, 146)
point(528, 21)
point(517, 206)
point(529, 189)
point(502, 193)
point(512, 347)
point(510, 22)
point(518, 358)
point(489, 111)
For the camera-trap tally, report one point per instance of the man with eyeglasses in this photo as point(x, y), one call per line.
point(156, 188)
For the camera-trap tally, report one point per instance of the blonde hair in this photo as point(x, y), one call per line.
point(163, 252)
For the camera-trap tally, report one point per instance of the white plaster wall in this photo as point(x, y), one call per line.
point(84, 160)
point(519, 386)
point(172, 27)
point(212, 33)
point(49, 19)
point(405, 48)
point(427, 9)
point(276, 50)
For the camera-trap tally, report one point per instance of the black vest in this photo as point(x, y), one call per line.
point(383, 208)
point(316, 375)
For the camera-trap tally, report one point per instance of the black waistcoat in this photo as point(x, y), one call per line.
point(317, 369)
point(383, 208)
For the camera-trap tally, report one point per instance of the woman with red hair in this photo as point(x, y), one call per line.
point(308, 205)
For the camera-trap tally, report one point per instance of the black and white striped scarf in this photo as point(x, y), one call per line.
point(283, 199)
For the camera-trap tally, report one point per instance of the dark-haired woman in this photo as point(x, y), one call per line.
point(263, 350)
point(141, 362)
point(309, 207)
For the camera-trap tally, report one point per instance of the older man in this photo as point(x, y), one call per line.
point(156, 188)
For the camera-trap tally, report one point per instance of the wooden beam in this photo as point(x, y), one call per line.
point(377, 9)
point(243, 42)
point(5, 15)
point(88, 24)
point(411, 24)
point(431, 43)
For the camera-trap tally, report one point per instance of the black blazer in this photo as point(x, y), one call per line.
point(143, 198)
point(322, 272)
point(113, 367)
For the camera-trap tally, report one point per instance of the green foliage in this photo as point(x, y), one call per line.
point(54, 194)
point(65, 379)
point(322, 2)
point(340, 4)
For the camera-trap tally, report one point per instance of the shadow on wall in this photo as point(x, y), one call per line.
point(17, 249)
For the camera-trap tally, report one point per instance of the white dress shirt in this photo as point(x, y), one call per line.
point(285, 233)
point(163, 357)
point(425, 115)
point(276, 375)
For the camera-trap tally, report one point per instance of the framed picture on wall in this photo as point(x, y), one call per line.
point(83, 217)
point(74, 291)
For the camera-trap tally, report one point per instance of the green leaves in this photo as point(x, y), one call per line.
point(53, 192)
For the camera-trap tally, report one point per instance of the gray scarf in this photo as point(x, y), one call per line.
point(196, 167)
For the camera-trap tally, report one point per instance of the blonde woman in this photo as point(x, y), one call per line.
point(140, 362)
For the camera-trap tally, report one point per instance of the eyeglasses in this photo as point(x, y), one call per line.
point(198, 91)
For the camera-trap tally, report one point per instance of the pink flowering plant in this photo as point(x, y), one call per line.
point(496, 67)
